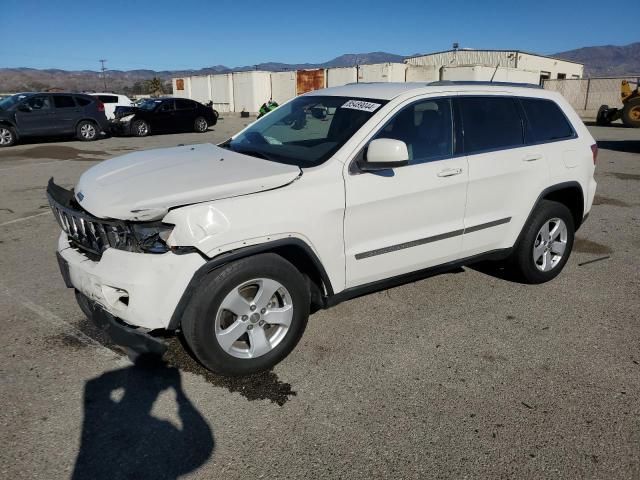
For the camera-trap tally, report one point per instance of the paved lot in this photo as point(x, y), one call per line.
point(463, 375)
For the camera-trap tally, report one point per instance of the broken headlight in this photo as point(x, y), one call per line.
point(152, 237)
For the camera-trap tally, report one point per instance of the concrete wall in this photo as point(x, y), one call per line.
point(250, 90)
point(382, 72)
point(587, 95)
point(483, 73)
point(422, 73)
point(222, 92)
point(341, 76)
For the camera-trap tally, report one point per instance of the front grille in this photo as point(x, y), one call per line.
point(86, 232)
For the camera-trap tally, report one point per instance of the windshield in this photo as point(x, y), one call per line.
point(306, 131)
point(7, 103)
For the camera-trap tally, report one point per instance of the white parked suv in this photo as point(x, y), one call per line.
point(335, 194)
point(111, 101)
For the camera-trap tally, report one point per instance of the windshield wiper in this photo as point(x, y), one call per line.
point(256, 153)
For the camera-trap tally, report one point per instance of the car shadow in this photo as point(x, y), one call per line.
point(122, 440)
point(629, 146)
point(494, 269)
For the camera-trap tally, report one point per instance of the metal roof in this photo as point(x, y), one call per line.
point(491, 50)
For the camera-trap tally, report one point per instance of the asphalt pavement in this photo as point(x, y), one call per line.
point(463, 375)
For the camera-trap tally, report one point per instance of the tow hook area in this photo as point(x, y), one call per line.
point(121, 334)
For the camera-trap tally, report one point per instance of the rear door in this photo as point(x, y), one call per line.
point(39, 119)
point(409, 218)
point(186, 113)
point(505, 175)
point(164, 117)
point(67, 114)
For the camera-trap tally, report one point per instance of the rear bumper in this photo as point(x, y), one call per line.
point(120, 333)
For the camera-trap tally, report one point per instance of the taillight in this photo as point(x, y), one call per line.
point(101, 107)
point(594, 151)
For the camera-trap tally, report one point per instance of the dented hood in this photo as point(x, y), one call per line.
point(145, 185)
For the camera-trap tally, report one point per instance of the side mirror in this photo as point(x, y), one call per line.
point(23, 107)
point(385, 153)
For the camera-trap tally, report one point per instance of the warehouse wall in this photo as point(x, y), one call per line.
point(553, 66)
point(483, 73)
point(341, 76)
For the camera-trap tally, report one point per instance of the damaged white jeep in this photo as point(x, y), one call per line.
point(333, 195)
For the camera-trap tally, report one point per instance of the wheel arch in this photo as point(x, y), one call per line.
point(88, 119)
point(294, 250)
point(9, 124)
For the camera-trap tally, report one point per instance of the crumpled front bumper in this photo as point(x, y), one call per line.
point(141, 289)
point(120, 128)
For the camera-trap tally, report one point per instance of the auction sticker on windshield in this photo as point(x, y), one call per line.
point(361, 105)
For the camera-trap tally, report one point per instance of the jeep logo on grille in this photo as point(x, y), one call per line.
point(80, 196)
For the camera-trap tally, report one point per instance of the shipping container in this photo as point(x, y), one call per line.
point(181, 87)
point(222, 92)
point(341, 76)
point(250, 90)
point(422, 73)
point(483, 73)
point(283, 86)
point(382, 72)
point(309, 80)
point(200, 88)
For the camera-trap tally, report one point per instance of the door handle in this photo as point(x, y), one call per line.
point(532, 158)
point(450, 172)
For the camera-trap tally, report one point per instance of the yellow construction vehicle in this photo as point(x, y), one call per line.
point(630, 111)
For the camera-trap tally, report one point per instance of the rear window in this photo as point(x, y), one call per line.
point(490, 123)
point(63, 101)
point(545, 120)
point(82, 101)
point(108, 98)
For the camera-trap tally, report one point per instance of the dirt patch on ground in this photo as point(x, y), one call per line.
point(625, 176)
point(67, 341)
point(587, 246)
point(601, 200)
point(58, 152)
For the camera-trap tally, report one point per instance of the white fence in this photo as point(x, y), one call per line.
point(588, 94)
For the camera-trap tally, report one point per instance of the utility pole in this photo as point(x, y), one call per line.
point(104, 77)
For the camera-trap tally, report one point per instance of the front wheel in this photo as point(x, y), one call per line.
point(248, 315)
point(545, 244)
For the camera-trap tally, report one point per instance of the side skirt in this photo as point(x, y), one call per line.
point(361, 290)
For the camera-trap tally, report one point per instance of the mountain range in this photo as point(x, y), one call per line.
point(599, 61)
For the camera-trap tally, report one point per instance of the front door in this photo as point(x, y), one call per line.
point(164, 117)
point(409, 218)
point(35, 117)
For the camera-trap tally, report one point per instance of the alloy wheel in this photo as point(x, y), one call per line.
point(550, 244)
point(6, 137)
point(88, 131)
point(253, 318)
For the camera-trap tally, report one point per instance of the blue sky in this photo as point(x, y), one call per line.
point(181, 34)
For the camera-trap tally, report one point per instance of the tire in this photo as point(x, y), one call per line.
point(87, 131)
point(140, 128)
point(631, 113)
point(602, 118)
point(7, 136)
point(233, 343)
point(534, 262)
point(200, 125)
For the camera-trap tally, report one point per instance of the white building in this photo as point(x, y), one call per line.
point(502, 62)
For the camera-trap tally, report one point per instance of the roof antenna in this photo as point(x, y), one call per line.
point(494, 72)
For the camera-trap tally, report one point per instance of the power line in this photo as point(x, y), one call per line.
point(104, 77)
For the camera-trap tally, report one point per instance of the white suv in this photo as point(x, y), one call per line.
point(335, 194)
point(111, 101)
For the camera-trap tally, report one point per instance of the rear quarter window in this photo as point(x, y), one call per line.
point(108, 98)
point(63, 101)
point(82, 101)
point(545, 120)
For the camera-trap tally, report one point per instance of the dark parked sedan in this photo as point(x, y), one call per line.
point(163, 115)
point(51, 114)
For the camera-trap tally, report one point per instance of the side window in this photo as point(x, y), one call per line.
point(545, 120)
point(490, 123)
point(166, 106)
point(82, 101)
point(425, 127)
point(39, 102)
point(182, 104)
point(64, 101)
point(108, 98)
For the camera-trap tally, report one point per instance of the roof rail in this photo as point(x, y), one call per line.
point(441, 83)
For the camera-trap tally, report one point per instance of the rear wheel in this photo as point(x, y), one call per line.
point(631, 113)
point(7, 136)
point(247, 315)
point(140, 128)
point(545, 244)
point(201, 125)
point(87, 131)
